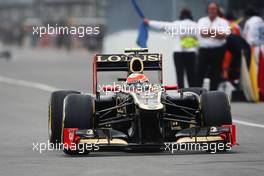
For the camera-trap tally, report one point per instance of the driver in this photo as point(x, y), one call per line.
point(137, 82)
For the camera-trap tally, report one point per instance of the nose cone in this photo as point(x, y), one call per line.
point(148, 101)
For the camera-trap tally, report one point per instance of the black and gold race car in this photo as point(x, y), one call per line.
point(136, 114)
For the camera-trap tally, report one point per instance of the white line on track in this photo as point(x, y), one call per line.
point(248, 123)
point(47, 88)
point(29, 84)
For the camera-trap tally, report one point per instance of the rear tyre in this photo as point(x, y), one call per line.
point(215, 109)
point(55, 114)
point(78, 113)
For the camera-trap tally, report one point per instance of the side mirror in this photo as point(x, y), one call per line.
point(170, 87)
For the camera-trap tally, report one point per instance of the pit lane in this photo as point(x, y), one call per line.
point(24, 121)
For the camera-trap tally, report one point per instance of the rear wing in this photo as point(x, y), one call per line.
point(122, 62)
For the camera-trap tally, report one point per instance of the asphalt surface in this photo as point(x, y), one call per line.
point(24, 115)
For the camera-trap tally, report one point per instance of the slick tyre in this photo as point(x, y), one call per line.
point(215, 109)
point(78, 113)
point(55, 114)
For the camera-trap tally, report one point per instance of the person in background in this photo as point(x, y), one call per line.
point(233, 23)
point(185, 47)
point(252, 26)
point(235, 47)
point(254, 34)
point(212, 40)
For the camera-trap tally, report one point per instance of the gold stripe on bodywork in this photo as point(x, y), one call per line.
point(103, 141)
point(199, 139)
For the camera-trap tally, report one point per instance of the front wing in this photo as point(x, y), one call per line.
point(109, 139)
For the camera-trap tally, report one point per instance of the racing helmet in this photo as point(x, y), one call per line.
point(137, 78)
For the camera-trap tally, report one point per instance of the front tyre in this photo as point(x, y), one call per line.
point(215, 109)
point(78, 113)
point(55, 114)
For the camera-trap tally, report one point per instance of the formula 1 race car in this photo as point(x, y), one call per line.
point(136, 115)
